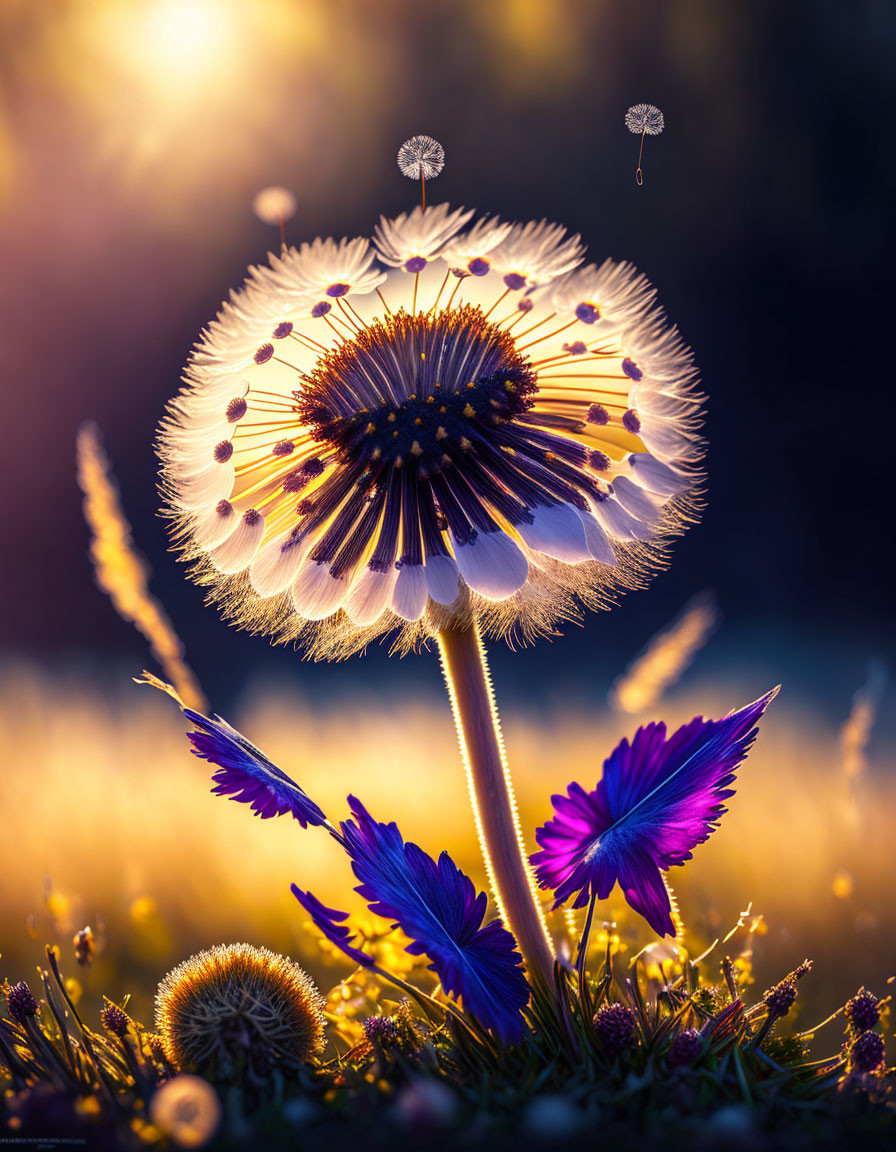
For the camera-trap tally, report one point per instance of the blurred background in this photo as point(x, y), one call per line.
point(133, 137)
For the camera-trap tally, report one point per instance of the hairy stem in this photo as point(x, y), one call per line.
point(491, 794)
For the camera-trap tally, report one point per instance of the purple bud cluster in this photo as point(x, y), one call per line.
point(779, 1000)
point(382, 1031)
point(862, 1012)
point(685, 1048)
point(114, 1020)
point(615, 1027)
point(867, 1052)
point(20, 1002)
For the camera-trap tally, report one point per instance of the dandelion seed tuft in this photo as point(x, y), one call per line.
point(421, 157)
point(235, 1004)
point(615, 1026)
point(273, 204)
point(645, 118)
point(20, 1002)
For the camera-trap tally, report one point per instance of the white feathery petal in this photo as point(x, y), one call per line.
point(641, 504)
point(214, 525)
point(618, 522)
point(613, 295)
point(598, 545)
point(442, 579)
point(658, 477)
point(538, 252)
point(315, 593)
point(557, 531)
point(410, 593)
point(369, 595)
point(476, 242)
point(420, 234)
point(237, 551)
point(307, 272)
point(275, 566)
point(197, 492)
point(492, 564)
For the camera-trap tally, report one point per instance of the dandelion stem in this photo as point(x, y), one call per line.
point(491, 794)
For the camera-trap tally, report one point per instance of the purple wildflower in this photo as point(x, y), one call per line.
point(657, 799)
point(615, 1028)
point(867, 1052)
point(382, 1031)
point(779, 1000)
point(20, 1002)
point(685, 1048)
point(436, 905)
point(330, 922)
point(246, 775)
point(862, 1011)
point(114, 1020)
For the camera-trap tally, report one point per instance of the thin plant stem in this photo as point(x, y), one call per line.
point(491, 794)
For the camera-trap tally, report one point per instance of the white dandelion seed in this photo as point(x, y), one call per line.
point(646, 120)
point(421, 158)
point(275, 205)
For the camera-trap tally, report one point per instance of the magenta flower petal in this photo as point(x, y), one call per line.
point(437, 906)
point(657, 799)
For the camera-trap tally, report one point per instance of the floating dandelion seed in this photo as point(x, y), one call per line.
point(407, 438)
point(120, 571)
point(421, 158)
point(235, 1003)
point(647, 120)
point(275, 205)
point(666, 657)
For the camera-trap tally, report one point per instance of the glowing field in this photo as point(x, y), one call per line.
point(110, 822)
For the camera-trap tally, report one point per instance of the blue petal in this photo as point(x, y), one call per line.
point(437, 906)
point(329, 921)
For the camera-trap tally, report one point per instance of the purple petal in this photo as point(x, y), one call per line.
point(329, 921)
point(437, 906)
point(657, 799)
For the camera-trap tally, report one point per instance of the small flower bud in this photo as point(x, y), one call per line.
point(382, 1031)
point(867, 1052)
point(83, 942)
point(114, 1020)
point(862, 1012)
point(685, 1048)
point(20, 1003)
point(615, 1027)
point(779, 1000)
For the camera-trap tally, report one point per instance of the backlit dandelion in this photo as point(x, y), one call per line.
point(421, 158)
point(453, 429)
point(235, 1004)
point(644, 120)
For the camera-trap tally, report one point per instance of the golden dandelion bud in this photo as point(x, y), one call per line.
point(234, 1008)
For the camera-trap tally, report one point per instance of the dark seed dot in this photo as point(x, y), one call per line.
point(223, 451)
point(478, 267)
point(514, 281)
point(587, 313)
point(599, 460)
point(415, 264)
point(283, 448)
point(224, 508)
point(321, 309)
point(631, 422)
point(631, 369)
point(236, 409)
point(338, 290)
point(597, 414)
point(282, 330)
point(264, 353)
point(525, 305)
point(251, 516)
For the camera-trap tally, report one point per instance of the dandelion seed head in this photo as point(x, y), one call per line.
point(644, 118)
point(475, 446)
point(271, 205)
point(421, 157)
point(236, 1002)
